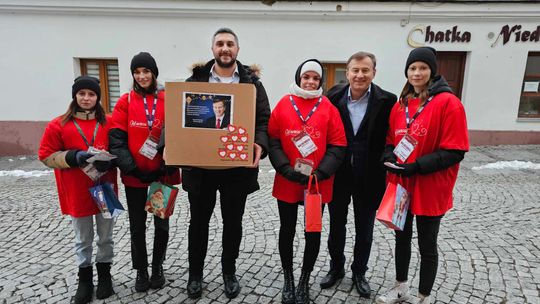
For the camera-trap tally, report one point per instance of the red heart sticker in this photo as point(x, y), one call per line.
point(231, 128)
point(232, 155)
point(244, 138)
point(222, 153)
point(230, 147)
point(224, 138)
point(241, 130)
point(243, 156)
point(240, 148)
point(234, 138)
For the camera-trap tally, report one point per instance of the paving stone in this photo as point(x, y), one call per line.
point(489, 244)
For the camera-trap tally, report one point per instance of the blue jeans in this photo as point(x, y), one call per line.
point(84, 237)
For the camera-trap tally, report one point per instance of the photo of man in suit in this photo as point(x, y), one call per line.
point(221, 118)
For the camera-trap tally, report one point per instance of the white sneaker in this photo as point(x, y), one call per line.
point(424, 300)
point(399, 293)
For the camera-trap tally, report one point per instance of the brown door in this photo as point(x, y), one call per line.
point(451, 65)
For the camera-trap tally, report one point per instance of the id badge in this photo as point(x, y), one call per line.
point(304, 166)
point(92, 172)
point(89, 169)
point(304, 144)
point(405, 147)
point(149, 148)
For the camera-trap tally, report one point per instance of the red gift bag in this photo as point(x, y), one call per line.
point(313, 206)
point(394, 206)
point(161, 199)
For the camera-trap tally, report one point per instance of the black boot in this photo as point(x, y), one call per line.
point(232, 286)
point(287, 294)
point(194, 286)
point(157, 280)
point(302, 290)
point(104, 286)
point(142, 283)
point(86, 286)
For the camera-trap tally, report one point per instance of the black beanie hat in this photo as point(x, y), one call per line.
point(425, 54)
point(144, 60)
point(86, 82)
point(299, 70)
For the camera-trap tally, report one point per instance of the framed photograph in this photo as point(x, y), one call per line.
point(207, 110)
point(209, 125)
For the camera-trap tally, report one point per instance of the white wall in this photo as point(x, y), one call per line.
point(39, 43)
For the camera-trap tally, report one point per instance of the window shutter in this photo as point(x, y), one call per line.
point(113, 84)
point(92, 69)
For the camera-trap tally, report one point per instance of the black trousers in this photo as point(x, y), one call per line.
point(288, 214)
point(364, 218)
point(136, 199)
point(201, 208)
point(428, 230)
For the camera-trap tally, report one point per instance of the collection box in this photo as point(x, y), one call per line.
point(209, 125)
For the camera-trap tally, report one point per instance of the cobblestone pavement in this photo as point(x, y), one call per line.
point(489, 244)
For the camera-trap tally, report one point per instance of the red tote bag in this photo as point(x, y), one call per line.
point(394, 207)
point(313, 206)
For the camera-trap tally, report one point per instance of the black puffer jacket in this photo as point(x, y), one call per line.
point(241, 179)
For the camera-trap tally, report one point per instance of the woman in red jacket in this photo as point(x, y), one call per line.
point(63, 147)
point(427, 138)
point(305, 129)
point(137, 121)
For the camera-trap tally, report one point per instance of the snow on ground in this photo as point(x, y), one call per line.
point(22, 173)
point(514, 164)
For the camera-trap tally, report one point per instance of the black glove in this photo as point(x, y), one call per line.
point(388, 155)
point(295, 177)
point(104, 165)
point(167, 170)
point(320, 175)
point(147, 177)
point(81, 158)
point(408, 169)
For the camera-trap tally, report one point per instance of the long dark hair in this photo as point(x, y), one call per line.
point(408, 92)
point(74, 108)
point(150, 90)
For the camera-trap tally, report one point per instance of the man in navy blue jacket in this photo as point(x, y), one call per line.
point(364, 108)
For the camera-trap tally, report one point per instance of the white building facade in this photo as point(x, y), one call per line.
point(490, 50)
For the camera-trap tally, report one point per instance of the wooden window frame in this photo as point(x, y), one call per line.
point(331, 73)
point(536, 77)
point(103, 76)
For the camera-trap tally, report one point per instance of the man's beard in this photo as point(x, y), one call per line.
point(225, 65)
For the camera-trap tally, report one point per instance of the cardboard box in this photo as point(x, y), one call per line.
point(192, 137)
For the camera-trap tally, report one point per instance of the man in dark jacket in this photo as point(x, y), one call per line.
point(364, 108)
point(233, 184)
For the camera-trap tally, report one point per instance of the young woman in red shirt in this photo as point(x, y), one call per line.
point(427, 138)
point(63, 148)
point(304, 129)
point(137, 124)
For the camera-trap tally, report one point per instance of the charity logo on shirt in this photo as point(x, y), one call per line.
point(417, 129)
point(311, 131)
point(137, 124)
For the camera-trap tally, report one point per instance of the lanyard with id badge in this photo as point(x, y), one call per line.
point(89, 169)
point(303, 142)
point(408, 143)
point(149, 147)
